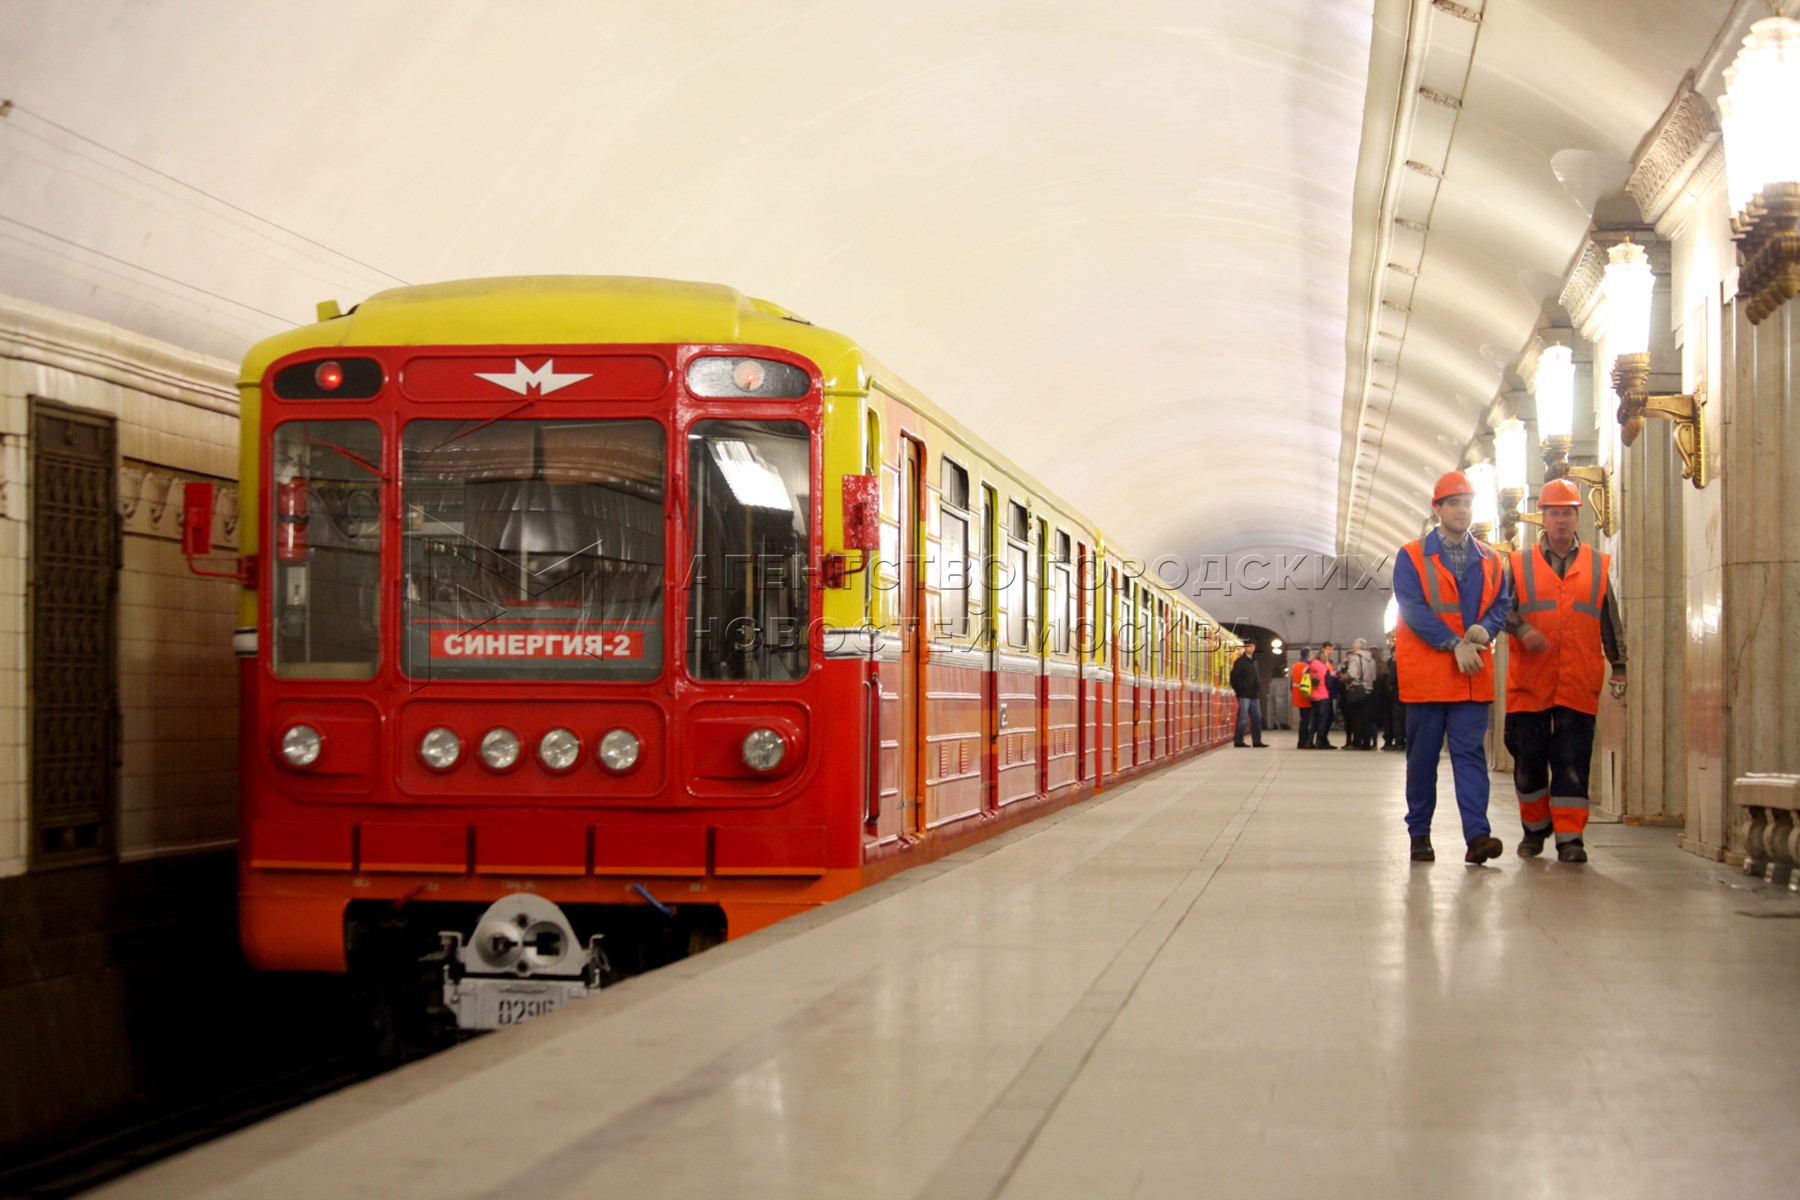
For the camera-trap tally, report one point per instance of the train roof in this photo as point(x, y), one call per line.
point(553, 309)
point(572, 309)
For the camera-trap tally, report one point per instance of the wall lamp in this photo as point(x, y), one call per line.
point(1626, 294)
point(1487, 509)
point(1554, 387)
point(1762, 162)
point(1509, 475)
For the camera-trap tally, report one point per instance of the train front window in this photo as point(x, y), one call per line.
point(749, 584)
point(534, 549)
point(325, 541)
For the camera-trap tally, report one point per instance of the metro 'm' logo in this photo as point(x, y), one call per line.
point(523, 380)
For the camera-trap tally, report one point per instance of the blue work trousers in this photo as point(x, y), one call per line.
point(1465, 722)
point(1321, 720)
point(1249, 713)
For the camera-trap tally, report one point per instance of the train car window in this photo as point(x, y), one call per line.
point(1018, 577)
point(1061, 600)
point(955, 574)
point(533, 549)
point(954, 483)
point(750, 584)
point(1018, 592)
point(325, 504)
point(990, 568)
point(1125, 614)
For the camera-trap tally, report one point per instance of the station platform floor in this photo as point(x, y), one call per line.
point(1225, 980)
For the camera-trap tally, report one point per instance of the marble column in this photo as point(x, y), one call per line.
point(1760, 477)
point(1652, 580)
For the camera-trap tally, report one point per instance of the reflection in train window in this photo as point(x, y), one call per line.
point(325, 504)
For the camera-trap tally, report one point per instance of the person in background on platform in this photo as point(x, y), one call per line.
point(1358, 683)
point(1564, 628)
point(1453, 603)
point(1248, 686)
point(1396, 710)
point(1380, 703)
point(1301, 694)
point(1325, 685)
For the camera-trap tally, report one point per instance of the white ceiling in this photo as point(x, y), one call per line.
point(1127, 241)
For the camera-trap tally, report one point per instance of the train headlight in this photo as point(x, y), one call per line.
point(764, 749)
point(301, 745)
point(440, 749)
point(619, 750)
point(559, 750)
point(499, 749)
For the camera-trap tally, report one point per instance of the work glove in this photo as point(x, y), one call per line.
point(1477, 634)
point(1468, 658)
point(1617, 685)
point(1532, 639)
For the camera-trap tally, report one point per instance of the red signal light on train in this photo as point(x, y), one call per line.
point(329, 376)
point(748, 375)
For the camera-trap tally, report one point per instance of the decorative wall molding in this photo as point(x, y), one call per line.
point(1581, 295)
point(1528, 363)
point(36, 333)
point(1674, 153)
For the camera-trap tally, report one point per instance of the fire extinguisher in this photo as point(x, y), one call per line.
point(291, 517)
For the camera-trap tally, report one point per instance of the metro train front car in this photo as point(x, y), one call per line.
point(533, 689)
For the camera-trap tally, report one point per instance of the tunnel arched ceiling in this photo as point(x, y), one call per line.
point(1142, 245)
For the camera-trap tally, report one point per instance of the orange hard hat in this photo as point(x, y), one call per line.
point(1451, 483)
point(1559, 493)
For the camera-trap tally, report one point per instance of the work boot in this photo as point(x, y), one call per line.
point(1531, 845)
point(1239, 745)
point(1571, 852)
point(1422, 851)
point(1483, 848)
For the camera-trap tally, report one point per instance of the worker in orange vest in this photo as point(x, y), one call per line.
point(1302, 669)
point(1453, 602)
point(1564, 629)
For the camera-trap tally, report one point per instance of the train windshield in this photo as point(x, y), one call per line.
point(749, 583)
point(325, 485)
point(533, 549)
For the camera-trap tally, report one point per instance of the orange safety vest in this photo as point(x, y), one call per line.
point(1428, 674)
point(1294, 673)
point(1568, 672)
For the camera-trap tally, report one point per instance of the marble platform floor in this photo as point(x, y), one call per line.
point(1222, 981)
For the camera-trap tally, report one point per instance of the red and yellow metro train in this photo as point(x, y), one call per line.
point(581, 614)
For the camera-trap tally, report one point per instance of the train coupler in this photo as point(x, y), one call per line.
point(521, 961)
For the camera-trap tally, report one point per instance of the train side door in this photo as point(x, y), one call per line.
point(912, 632)
point(990, 641)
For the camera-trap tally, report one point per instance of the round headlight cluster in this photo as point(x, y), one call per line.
point(500, 749)
point(440, 749)
point(764, 749)
point(559, 750)
point(301, 745)
point(619, 750)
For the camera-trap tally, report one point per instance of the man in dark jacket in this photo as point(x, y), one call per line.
point(1248, 686)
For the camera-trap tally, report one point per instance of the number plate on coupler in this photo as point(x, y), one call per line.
point(521, 961)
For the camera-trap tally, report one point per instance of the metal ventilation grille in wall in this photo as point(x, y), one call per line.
point(74, 636)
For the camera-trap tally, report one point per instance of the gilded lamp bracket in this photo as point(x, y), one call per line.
point(1768, 238)
point(1600, 495)
point(1631, 374)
